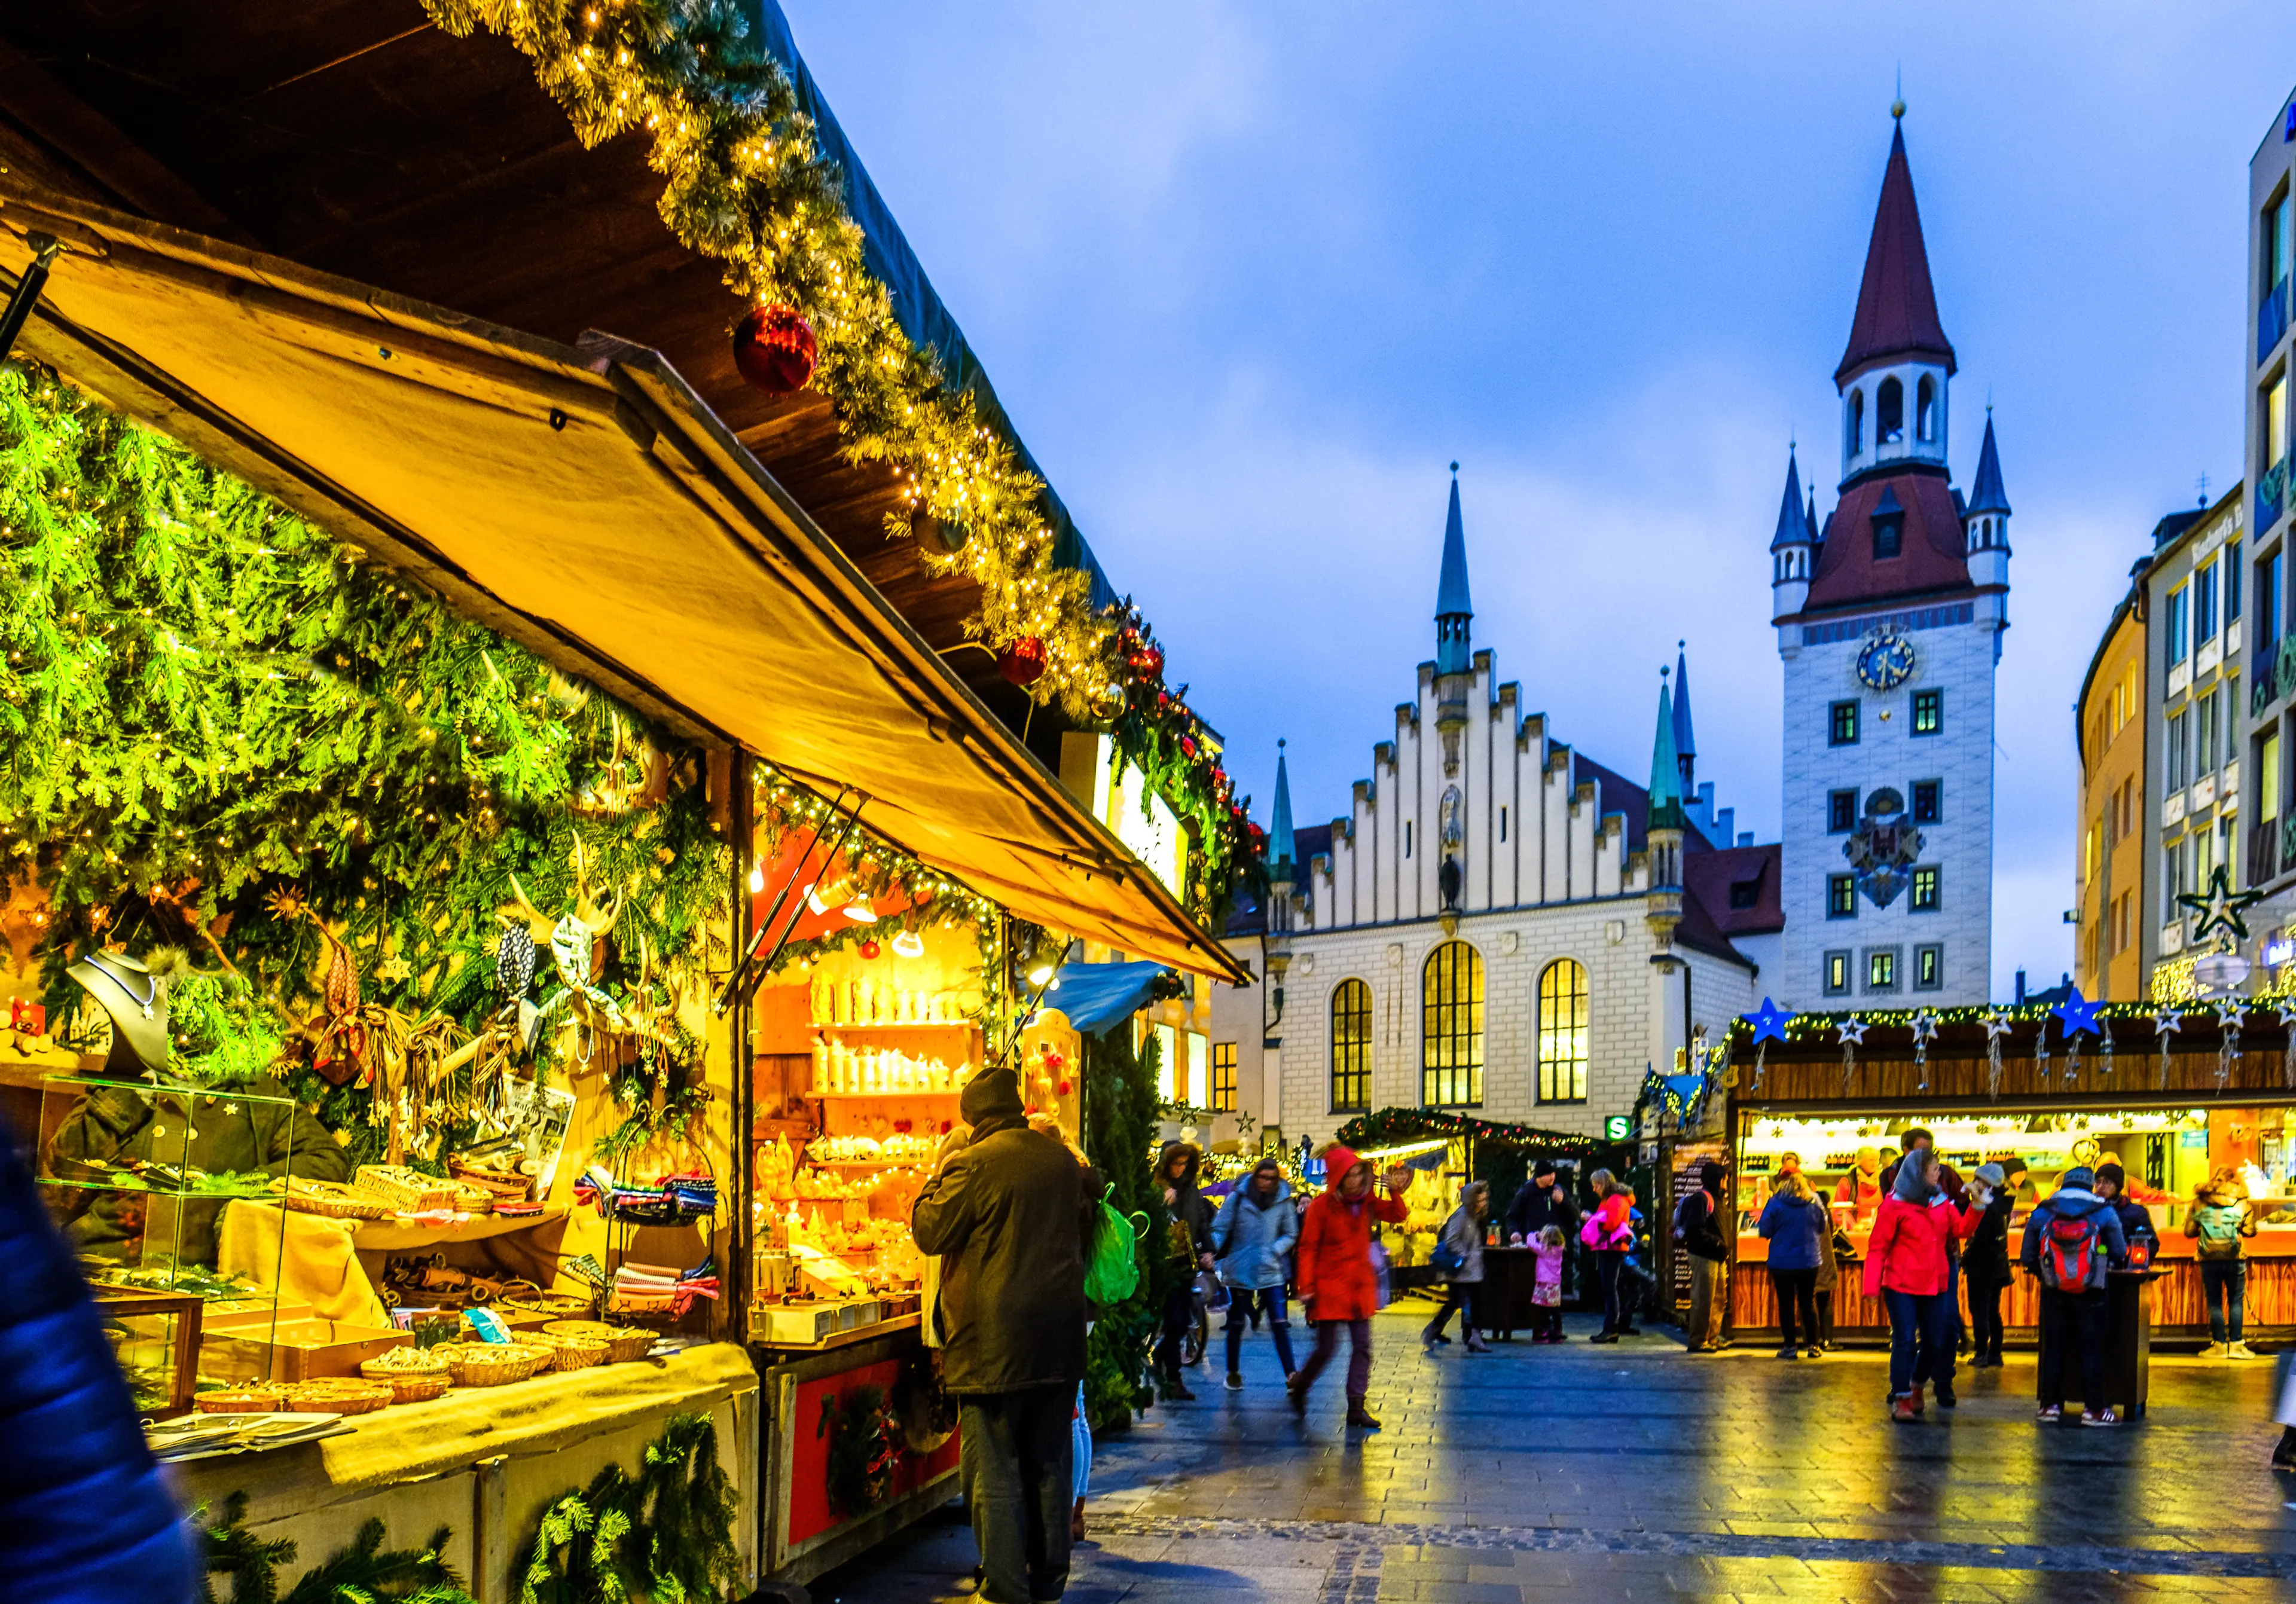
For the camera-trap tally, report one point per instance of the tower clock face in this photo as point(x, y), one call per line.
point(1885, 662)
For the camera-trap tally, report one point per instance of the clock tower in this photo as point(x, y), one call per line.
point(1889, 619)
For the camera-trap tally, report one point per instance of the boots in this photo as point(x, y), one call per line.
point(1176, 1388)
point(1359, 1416)
point(1076, 1523)
point(1475, 1343)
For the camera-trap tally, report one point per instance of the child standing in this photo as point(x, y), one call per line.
point(1547, 1286)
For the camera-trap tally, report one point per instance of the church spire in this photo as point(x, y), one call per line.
point(1666, 767)
point(1453, 606)
point(1280, 870)
point(1685, 744)
point(1896, 305)
point(1987, 494)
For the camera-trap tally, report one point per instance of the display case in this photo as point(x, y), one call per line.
point(138, 1175)
point(155, 1337)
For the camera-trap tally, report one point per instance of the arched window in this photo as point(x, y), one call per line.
point(1856, 422)
point(1889, 413)
point(1562, 1032)
point(1451, 1028)
point(1925, 411)
point(1351, 1047)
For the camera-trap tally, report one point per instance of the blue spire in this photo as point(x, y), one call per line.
point(1686, 746)
point(1666, 767)
point(1280, 845)
point(1793, 529)
point(1986, 495)
point(1452, 607)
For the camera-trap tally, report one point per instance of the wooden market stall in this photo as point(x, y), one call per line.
point(2222, 1095)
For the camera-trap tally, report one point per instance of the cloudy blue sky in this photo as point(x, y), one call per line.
point(1248, 276)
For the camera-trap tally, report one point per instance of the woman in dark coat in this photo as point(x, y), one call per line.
point(82, 1514)
point(1176, 1168)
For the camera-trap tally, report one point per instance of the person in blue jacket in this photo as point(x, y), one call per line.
point(84, 1517)
point(2074, 1229)
point(1251, 1240)
point(1800, 1233)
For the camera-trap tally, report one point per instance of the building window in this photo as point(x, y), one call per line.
point(1562, 1032)
point(1889, 413)
point(1837, 974)
point(1925, 889)
point(1745, 894)
point(2204, 604)
point(1881, 969)
point(2232, 573)
point(1451, 1028)
point(1841, 724)
point(1856, 422)
point(1501, 823)
point(1929, 712)
point(2268, 599)
point(1890, 535)
point(1925, 421)
point(2276, 423)
point(1351, 1047)
point(1224, 1078)
point(2180, 632)
point(1929, 968)
point(2177, 760)
point(1840, 811)
point(1841, 897)
point(1928, 801)
point(1406, 837)
point(2206, 719)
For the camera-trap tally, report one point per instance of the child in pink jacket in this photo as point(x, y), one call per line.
point(1547, 1286)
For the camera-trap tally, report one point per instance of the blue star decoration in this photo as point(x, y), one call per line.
point(1769, 1022)
point(2078, 1013)
point(2220, 907)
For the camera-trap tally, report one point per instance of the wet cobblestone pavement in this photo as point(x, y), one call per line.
point(1638, 1472)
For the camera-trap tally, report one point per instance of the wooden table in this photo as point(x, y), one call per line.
point(1509, 1273)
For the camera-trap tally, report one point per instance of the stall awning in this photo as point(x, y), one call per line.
point(1097, 998)
point(584, 502)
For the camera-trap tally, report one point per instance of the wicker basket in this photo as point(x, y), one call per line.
point(406, 1191)
point(490, 1363)
point(262, 1398)
point(547, 1305)
point(413, 1376)
point(507, 1189)
point(570, 1353)
point(622, 1342)
point(333, 1200)
point(340, 1395)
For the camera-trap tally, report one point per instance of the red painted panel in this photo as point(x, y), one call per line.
point(810, 1514)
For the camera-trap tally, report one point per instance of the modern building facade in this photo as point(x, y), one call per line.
point(1889, 619)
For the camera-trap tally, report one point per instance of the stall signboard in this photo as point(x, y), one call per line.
point(1688, 1158)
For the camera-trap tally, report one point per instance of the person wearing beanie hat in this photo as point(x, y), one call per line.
point(1253, 1235)
point(1985, 1263)
point(2111, 1185)
point(2071, 1240)
point(1011, 1215)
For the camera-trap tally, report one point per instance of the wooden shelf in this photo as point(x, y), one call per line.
point(875, 1164)
point(819, 1025)
point(882, 1096)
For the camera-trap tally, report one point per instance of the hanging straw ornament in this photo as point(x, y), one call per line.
point(1997, 1025)
point(2104, 1044)
point(2072, 1055)
point(1853, 1033)
point(2041, 1053)
point(2167, 1022)
point(2228, 1016)
point(1926, 1029)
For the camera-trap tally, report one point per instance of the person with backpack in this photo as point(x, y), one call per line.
point(1801, 1234)
point(1459, 1261)
point(1985, 1263)
point(1251, 1238)
point(2071, 1240)
point(1609, 1233)
point(1698, 1229)
point(2219, 1218)
point(1906, 1268)
point(1337, 1286)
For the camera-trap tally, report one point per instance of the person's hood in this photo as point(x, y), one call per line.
point(1909, 1187)
point(1249, 1187)
point(1796, 1200)
point(991, 1102)
point(2075, 1202)
point(1338, 1160)
point(1709, 1177)
point(1187, 1181)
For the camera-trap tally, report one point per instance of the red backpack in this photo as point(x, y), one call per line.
point(2069, 1252)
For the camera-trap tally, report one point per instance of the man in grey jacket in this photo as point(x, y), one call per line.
point(2071, 1241)
point(1008, 1215)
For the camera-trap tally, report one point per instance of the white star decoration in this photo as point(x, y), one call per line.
point(1997, 1024)
point(1925, 1027)
point(2168, 1020)
point(2229, 1011)
point(1853, 1033)
point(2287, 1011)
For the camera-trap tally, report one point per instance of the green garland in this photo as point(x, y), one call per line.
point(361, 1574)
point(667, 1534)
point(1120, 1135)
point(864, 1448)
point(1391, 1127)
point(224, 728)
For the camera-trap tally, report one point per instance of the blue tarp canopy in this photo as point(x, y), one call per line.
point(922, 317)
point(1097, 998)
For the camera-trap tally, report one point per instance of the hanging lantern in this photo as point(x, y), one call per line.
point(774, 348)
point(1023, 661)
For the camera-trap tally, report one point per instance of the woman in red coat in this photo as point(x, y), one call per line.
point(1906, 1268)
point(1336, 1281)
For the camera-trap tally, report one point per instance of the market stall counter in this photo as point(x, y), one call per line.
point(486, 1462)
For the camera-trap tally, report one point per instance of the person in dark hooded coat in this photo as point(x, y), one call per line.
point(1010, 1216)
point(1177, 1165)
point(84, 1516)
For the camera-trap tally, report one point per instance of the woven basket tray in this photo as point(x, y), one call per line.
point(622, 1342)
point(570, 1353)
point(406, 1191)
point(509, 1188)
point(340, 1396)
point(332, 1199)
point(550, 1305)
point(260, 1399)
point(410, 1385)
point(490, 1363)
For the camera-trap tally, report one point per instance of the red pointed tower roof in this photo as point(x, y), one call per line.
point(1896, 308)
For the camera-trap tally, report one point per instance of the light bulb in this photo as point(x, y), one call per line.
point(756, 879)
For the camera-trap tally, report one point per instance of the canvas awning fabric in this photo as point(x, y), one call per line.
point(587, 503)
point(1097, 998)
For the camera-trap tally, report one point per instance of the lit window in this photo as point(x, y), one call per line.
point(1925, 889)
point(1562, 1032)
point(1224, 1076)
point(1351, 1047)
point(1451, 1028)
point(1929, 712)
point(1929, 968)
point(1837, 974)
point(1882, 970)
point(1841, 724)
point(1841, 897)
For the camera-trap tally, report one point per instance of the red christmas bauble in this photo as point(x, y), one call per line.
point(774, 348)
point(1067, 1087)
point(1151, 661)
point(867, 949)
point(1187, 746)
point(1023, 661)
